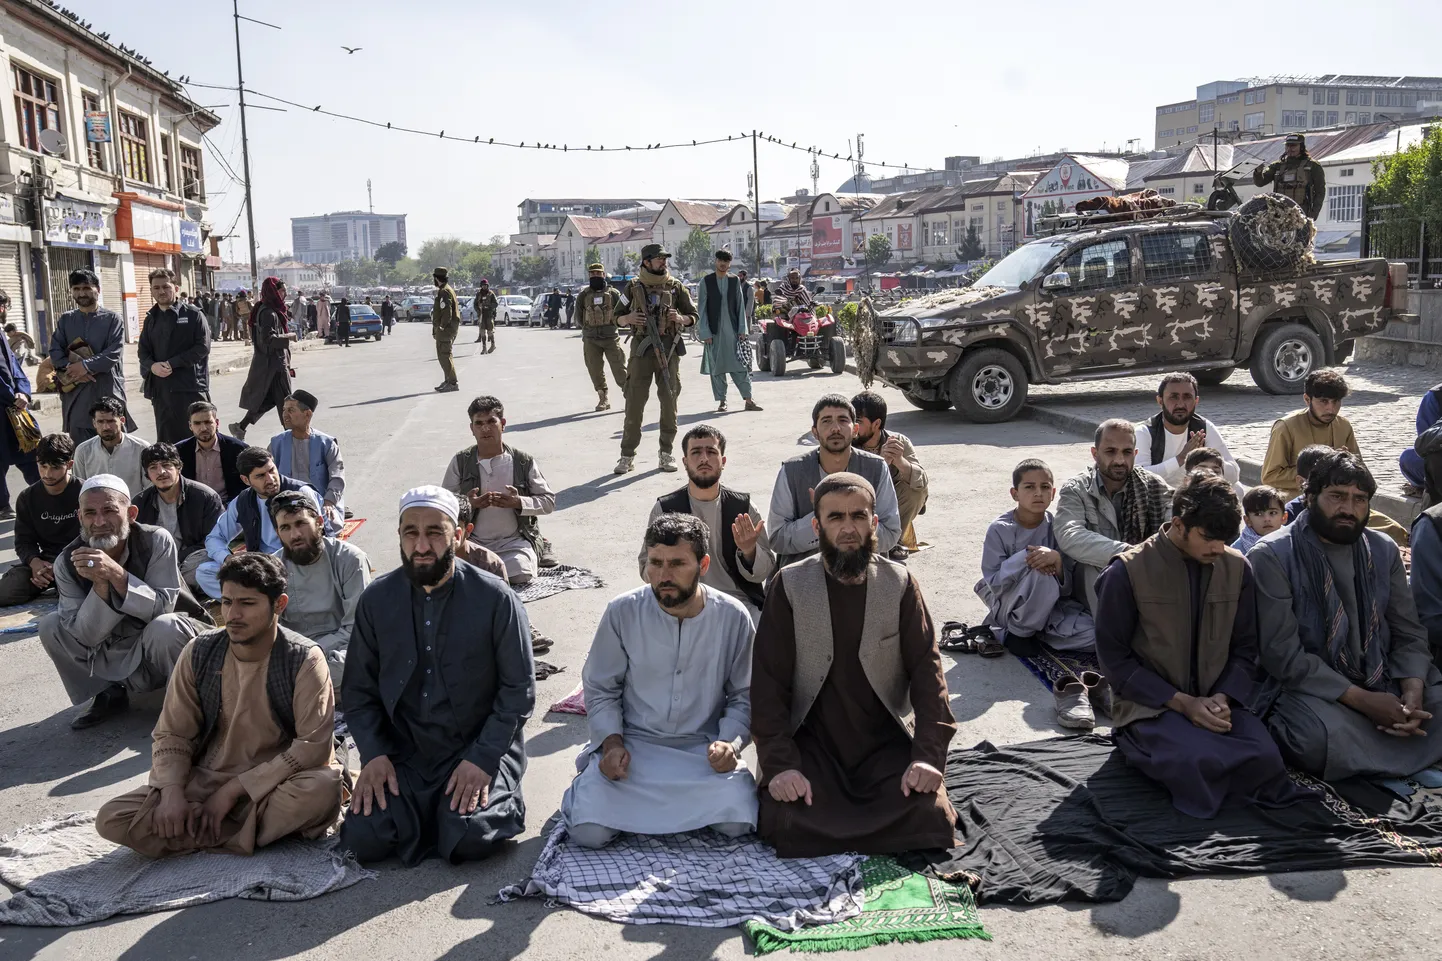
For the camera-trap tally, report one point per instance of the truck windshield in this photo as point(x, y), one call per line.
point(1022, 264)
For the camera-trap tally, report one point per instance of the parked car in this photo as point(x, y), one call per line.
point(468, 309)
point(416, 308)
point(512, 308)
point(364, 321)
point(1161, 294)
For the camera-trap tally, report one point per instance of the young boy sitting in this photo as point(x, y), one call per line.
point(1263, 512)
point(1026, 583)
point(1208, 459)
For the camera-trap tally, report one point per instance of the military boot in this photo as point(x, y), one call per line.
point(602, 402)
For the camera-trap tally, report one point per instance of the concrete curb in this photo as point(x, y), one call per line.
point(1403, 510)
point(50, 402)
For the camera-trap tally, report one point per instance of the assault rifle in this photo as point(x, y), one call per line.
point(658, 309)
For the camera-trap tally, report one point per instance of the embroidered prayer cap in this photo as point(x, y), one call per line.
point(107, 482)
point(843, 481)
point(305, 399)
point(430, 495)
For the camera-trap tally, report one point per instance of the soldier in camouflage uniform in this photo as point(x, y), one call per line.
point(1297, 176)
point(485, 307)
point(596, 316)
point(445, 324)
point(654, 292)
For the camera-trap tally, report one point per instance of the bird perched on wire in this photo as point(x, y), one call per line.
point(350, 49)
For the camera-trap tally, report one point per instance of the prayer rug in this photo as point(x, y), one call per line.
point(573, 703)
point(71, 875)
point(699, 879)
point(554, 580)
point(1067, 819)
point(1049, 666)
point(348, 529)
point(899, 905)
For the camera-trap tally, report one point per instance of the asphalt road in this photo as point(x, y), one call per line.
point(396, 433)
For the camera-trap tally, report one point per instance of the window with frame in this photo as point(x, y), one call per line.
point(1100, 265)
point(135, 147)
point(1167, 191)
point(1319, 118)
point(1319, 96)
point(37, 105)
point(1332, 97)
point(1001, 205)
point(1172, 254)
point(1206, 113)
point(938, 233)
point(1364, 98)
point(1255, 96)
point(1344, 203)
point(1347, 172)
point(1364, 116)
point(165, 176)
point(976, 224)
point(1350, 117)
point(1192, 129)
point(94, 152)
point(1351, 98)
point(1254, 121)
point(1331, 118)
point(1166, 133)
point(1233, 125)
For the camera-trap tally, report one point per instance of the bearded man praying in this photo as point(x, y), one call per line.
point(667, 684)
point(1351, 674)
point(439, 680)
point(849, 705)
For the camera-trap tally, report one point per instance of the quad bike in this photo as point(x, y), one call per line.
point(801, 336)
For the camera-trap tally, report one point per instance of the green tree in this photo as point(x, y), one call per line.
point(627, 264)
point(971, 246)
point(696, 250)
point(1412, 180)
point(445, 252)
point(878, 251)
point(593, 255)
point(533, 269)
point(475, 265)
point(408, 271)
point(389, 253)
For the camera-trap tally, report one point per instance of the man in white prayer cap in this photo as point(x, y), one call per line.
point(124, 613)
point(439, 681)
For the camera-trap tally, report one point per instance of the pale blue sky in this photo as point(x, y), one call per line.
point(921, 79)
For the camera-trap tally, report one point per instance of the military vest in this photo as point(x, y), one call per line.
point(598, 321)
point(1294, 181)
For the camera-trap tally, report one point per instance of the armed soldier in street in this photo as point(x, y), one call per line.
point(660, 306)
point(485, 307)
point(445, 325)
point(1296, 175)
point(596, 316)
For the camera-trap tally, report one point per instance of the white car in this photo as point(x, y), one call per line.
point(512, 308)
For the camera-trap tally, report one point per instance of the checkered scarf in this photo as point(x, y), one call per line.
point(1323, 601)
point(1145, 505)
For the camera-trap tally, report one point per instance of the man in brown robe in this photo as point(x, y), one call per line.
point(231, 769)
point(849, 706)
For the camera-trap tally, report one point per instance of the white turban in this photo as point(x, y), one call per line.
point(432, 496)
point(107, 482)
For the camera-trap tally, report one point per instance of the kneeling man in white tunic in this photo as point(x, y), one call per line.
point(668, 695)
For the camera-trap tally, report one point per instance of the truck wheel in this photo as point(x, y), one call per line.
point(1212, 376)
point(758, 354)
point(927, 403)
point(988, 386)
point(776, 355)
point(1285, 354)
point(838, 355)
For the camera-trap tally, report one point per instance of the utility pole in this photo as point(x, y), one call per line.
point(756, 186)
point(370, 197)
point(245, 141)
point(815, 175)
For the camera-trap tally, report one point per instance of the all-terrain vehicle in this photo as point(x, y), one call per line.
point(806, 335)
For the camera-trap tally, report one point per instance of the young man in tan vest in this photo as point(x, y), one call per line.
point(1176, 630)
point(849, 707)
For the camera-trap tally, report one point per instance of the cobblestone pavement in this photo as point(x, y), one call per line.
point(1382, 407)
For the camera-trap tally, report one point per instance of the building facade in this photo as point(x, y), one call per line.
point(101, 168)
point(1278, 105)
point(546, 215)
point(347, 235)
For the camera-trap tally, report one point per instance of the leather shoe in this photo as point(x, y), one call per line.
point(1099, 692)
point(107, 704)
point(1073, 710)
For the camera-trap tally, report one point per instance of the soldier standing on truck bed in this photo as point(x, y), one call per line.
point(1296, 175)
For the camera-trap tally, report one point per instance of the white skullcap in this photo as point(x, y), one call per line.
point(107, 481)
point(432, 496)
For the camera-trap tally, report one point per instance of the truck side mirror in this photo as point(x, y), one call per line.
point(1056, 280)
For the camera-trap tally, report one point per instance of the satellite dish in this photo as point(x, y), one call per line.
point(53, 142)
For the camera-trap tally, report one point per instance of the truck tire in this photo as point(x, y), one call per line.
point(1213, 376)
point(1270, 232)
point(758, 355)
point(776, 358)
point(838, 355)
point(927, 403)
point(1283, 357)
point(988, 386)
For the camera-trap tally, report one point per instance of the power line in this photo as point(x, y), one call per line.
point(564, 147)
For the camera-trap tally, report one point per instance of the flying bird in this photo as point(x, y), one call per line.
point(350, 49)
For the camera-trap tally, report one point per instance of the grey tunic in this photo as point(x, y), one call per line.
point(1314, 730)
point(671, 688)
point(1025, 602)
point(104, 332)
point(719, 356)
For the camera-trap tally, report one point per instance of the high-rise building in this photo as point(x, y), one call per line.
point(1267, 106)
point(347, 235)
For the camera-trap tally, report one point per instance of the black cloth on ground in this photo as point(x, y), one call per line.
point(1067, 819)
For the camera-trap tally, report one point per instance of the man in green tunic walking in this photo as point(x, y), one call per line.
point(724, 308)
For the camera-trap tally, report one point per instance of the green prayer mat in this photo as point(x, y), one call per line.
point(900, 905)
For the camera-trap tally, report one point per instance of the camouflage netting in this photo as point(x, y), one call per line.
point(954, 297)
point(865, 341)
point(1270, 232)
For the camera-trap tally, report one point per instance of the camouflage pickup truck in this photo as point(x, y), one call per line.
point(1123, 300)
